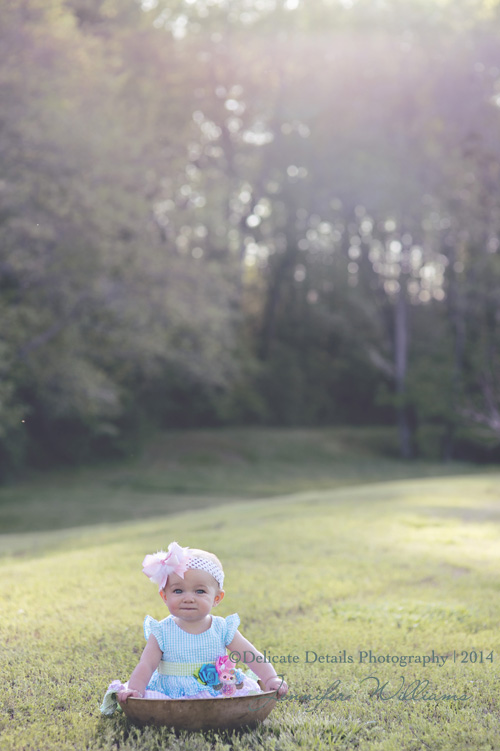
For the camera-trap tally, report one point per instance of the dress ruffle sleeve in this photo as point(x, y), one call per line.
point(232, 623)
point(152, 626)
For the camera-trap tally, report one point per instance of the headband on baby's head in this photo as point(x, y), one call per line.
point(177, 560)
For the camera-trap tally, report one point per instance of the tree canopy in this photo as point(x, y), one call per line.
point(274, 211)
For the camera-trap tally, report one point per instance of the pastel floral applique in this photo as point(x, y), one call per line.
point(222, 676)
point(208, 675)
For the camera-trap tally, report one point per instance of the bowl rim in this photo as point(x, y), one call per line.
point(211, 698)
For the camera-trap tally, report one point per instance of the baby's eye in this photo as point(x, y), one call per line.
point(200, 591)
point(177, 591)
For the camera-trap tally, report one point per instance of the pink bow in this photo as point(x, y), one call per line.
point(159, 566)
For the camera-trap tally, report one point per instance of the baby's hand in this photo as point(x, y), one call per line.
point(122, 696)
point(277, 684)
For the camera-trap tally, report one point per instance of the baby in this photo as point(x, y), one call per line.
point(186, 653)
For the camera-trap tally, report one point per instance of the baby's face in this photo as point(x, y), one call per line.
point(191, 598)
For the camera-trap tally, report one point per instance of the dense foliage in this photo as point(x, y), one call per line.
point(230, 211)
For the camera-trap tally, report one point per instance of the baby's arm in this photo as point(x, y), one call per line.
point(264, 670)
point(148, 663)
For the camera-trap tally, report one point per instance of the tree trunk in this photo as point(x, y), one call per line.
point(457, 317)
point(400, 368)
point(272, 300)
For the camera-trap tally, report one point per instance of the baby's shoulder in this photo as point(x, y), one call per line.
point(221, 620)
point(227, 626)
point(157, 628)
point(155, 622)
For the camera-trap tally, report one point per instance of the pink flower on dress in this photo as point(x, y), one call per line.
point(159, 566)
point(223, 663)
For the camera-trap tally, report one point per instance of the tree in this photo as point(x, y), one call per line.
point(96, 303)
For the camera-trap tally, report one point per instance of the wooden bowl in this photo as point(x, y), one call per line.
point(201, 714)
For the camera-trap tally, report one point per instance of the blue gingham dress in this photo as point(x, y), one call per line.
point(179, 646)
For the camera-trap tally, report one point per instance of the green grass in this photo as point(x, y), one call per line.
point(194, 469)
point(398, 568)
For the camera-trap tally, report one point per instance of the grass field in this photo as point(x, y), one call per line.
point(402, 568)
point(195, 469)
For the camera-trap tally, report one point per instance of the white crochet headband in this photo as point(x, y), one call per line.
point(210, 567)
point(177, 560)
